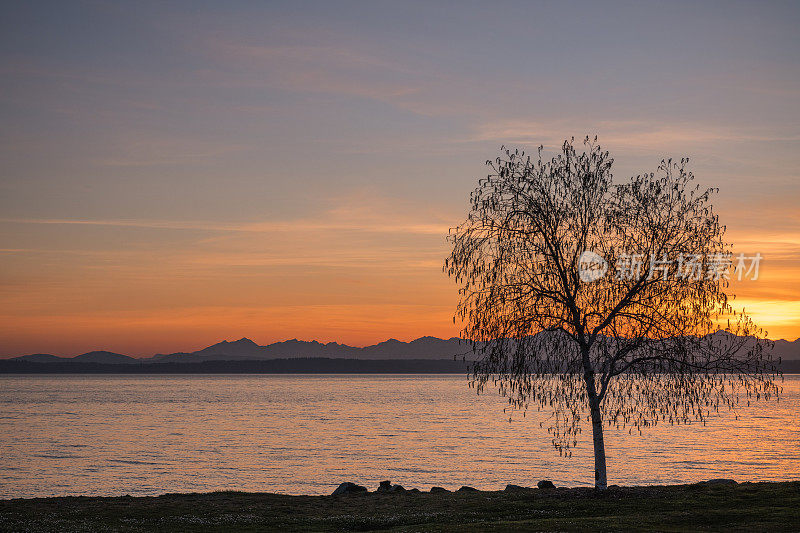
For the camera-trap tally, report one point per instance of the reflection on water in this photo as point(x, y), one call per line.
point(144, 435)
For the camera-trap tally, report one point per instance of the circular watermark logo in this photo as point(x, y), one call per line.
point(591, 266)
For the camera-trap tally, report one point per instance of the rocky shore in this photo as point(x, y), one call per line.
point(386, 486)
point(718, 505)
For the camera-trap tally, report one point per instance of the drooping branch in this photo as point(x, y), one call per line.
point(664, 345)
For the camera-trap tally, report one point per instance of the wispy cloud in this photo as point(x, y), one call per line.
point(626, 135)
point(300, 225)
point(358, 231)
point(334, 68)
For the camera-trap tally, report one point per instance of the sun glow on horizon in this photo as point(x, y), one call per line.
point(179, 177)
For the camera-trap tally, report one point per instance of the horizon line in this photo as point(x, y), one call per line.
point(273, 343)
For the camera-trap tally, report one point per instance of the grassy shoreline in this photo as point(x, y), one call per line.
point(742, 507)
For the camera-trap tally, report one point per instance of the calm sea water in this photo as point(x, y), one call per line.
point(145, 435)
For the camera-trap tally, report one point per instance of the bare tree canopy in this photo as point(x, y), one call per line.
point(581, 295)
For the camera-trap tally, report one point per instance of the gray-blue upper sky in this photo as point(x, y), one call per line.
point(244, 140)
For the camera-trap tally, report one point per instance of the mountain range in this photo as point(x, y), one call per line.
point(246, 350)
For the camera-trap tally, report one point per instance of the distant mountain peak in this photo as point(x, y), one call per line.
point(40, 358)
point(427, 347)
point(103, 356)
point(245, 349)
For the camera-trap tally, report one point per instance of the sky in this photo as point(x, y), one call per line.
point(178, 173)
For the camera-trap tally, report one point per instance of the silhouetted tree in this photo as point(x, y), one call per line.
point(643, 333)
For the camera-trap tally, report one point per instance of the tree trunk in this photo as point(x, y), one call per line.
point(600, 480)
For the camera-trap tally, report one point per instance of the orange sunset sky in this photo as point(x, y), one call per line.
point(175, 174)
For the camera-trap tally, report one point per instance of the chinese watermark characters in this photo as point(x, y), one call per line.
point(720, 266)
